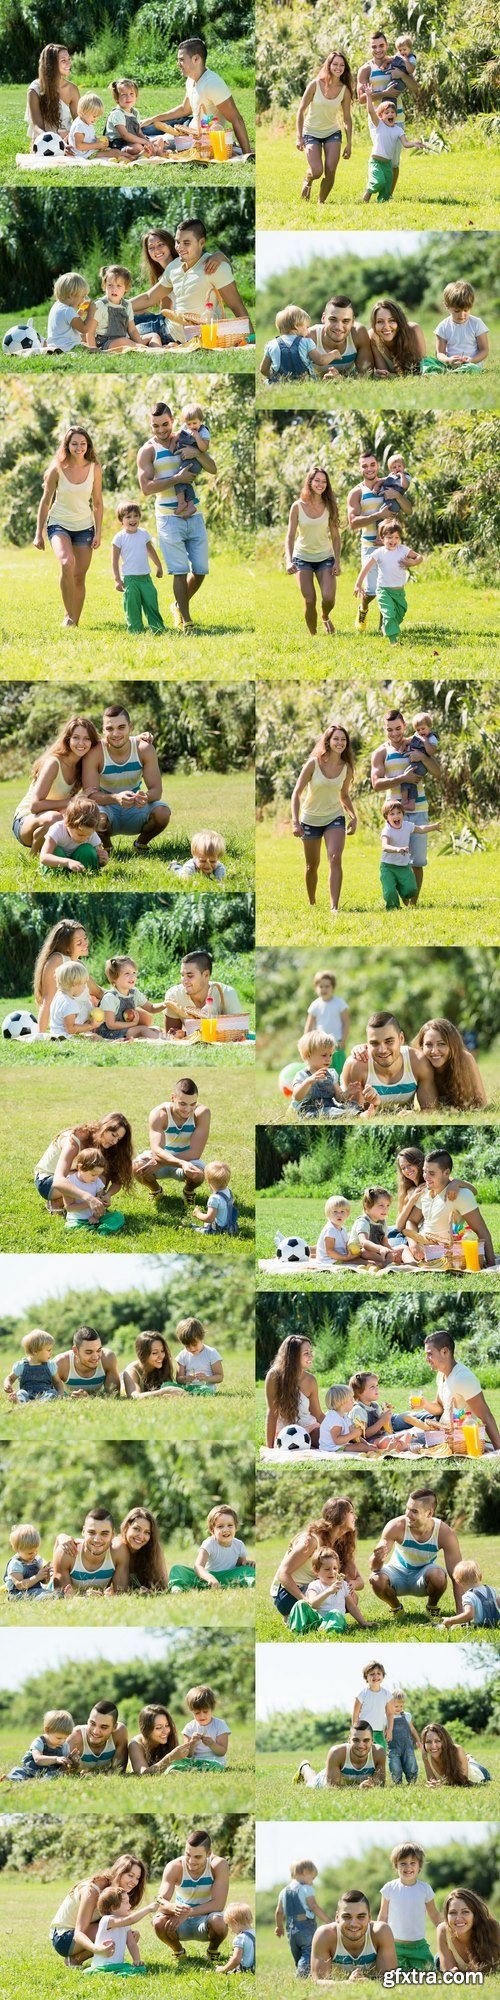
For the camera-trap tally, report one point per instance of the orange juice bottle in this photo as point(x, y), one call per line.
point(470, 1247)
point(472, 1437)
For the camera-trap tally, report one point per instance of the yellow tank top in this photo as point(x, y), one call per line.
point(323, 113)
point(313, 540)
point(59, 790)
point(72, 505)
point(321, 801)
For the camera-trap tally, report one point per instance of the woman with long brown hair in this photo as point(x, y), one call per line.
point(55, 776)
point(71, 511)
point(112, 1135)
point(159, 250)
point(446, 1762)
point(153, 1371)
point(292, 1390)
point(52, 100)
point(468, 1940)
point(73, 1929)
point(397, 343)
point(140, 1536)
point(321, 800)
point(335, 1530)
point(319, 136)
point(150, 1750)
point(312, 547)
point(67, 939)
point(456, 1074)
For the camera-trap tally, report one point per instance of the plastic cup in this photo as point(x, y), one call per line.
point(219, 146)
point(472, 1439)
point(415, 1402)
point(470, 1247)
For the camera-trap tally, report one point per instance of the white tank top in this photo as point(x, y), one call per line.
point(72, 505)
point(322, 115)
point(321, 801)
point(59, 789)
point(395, 1093)
point(303, 1414)
point(313, 539)
point(367, 1955)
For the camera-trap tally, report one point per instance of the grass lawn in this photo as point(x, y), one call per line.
point(273, 1109)
point(452, 627)
point(222, 799)
point(277, 1798)
point(277, 1970)
point(53, 1100)
point(105, 1055)
point(479, 389)
point(30, 1965)
point(98, 1418)
point(303, 1215)
point(459, 189)
point(413, 1623)
point(228, 1791)
point(147, 173)
point(459, 894)
point(395, 1393)
point(30, 605)
point(234, 1609)
point(139, 361)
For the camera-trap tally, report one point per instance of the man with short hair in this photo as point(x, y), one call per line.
point(429, 1228)
point(386, 78)
point(196, 291)
point(197, 993)
point(391, 1074)
point(359, 1762)
point(405, 1560)
point(122, 774)
point(101, 1743)
point(207, 95)
point(178, 1137)
point(342, 342)
point(193, 1896)
point(390, 765)
point(367, 506)
point(88, 1368)
point(183, 538)
point(86, 1562)
point(353, 1945)
point(456, 1386)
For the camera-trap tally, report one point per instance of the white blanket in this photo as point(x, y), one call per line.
point(274, 1267)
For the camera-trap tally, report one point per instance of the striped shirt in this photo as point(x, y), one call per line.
point(412, 1555)
point(92, 1579)
point(116, 776)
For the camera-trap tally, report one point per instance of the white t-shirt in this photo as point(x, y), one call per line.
point(219, 1557)
point(387, 139)
point(215, 1728)
point(194, 291)
point(110, 1000)
point(133, 551)
point(373, 1706)
point(86, 132)
point(335, 1600)
point(333, 1428)
point(437, 1212)
point(60, 837)
point(118, 1939)
point(399, 839)
point(65, 1004)
point(205, 93)
point(455, 1388)
point(194, 1363)
point(179, 1001)
point(60, 331)
point(390, 565)
point(407, 1908)
point(192, 867)
point(328, 1015)
point(362, 1228)
point(340, 1244)
point(461, 335)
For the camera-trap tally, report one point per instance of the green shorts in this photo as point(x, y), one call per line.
point(380, 178)
point(416, 1954)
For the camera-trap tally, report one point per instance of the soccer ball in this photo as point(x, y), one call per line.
point(22, 340)
point(293, 1438)
point(292, 1249)
point(21, 1027)
point(49, 145)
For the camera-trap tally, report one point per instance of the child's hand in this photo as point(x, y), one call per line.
point(119, 586)
point(76, 867)
point(159, 571)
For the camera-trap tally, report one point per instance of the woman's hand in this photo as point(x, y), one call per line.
point(290, 569)
point(299, 143)
point(38, 541)
point(353, 821)
point(97, 540)
point(297, 832)
point(347, 150)
point(212, 263)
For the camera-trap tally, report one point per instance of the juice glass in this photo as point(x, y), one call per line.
point(472, 1437)
point(209, 333)
point(219, 145)
point(415, 1402)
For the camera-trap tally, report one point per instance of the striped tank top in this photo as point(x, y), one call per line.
point(166, 462)
point(397, 761)
point(195, 1893)
point(91, 1383)
point(352, 1772)
point(177, 1138)
point(395, 1093)
point(384, 85)
point(92, 1579)
point(367, 1955)
point(413, 1556)
point(369, 504)
point(345, 360)
point(118, 776)
point(98, 1760)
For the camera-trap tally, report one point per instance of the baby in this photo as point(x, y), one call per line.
point(293, 354)
point(316, 1092)
point(220, 1217)
point(192, 441)
point(71, 1005)
point(73, 842)
point(332, 1246)
point(341, 1429)
point(462, 338)
point(35, 1378)
point(114, 1935)
point(83, 140)
point(71, 315)
point(207, 849)
point(480, 1602)
point(87, 1177)
point(395, 481)
point(26, 1573)
point(239, 1920)
point(49, 1754)
point(423, 738)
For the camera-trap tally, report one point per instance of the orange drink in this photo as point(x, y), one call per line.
point(208, 1026)
point(209, 333)
point(415, 1402)
point(470, 1247)
point(472, 1438)
point(219, 144)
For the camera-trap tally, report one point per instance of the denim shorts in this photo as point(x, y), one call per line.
point(183, 544)
point(193, 1927)
point(316, 832)
point(44, 1184)
point(418, 839)
point(154, 322)
point(411, 1584)
point(17, 825)
point(325, 562)
point(80, 537)
point(62, 1942)
point(311, 138)
point(126, 819)
point(170, 1173)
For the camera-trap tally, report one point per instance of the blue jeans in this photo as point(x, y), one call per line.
point(300, 1939)
point(403, 1764)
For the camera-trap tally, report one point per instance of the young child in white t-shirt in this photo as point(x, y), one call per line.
point(399, 884)
point(73, 842)
point(198, 1366)
point(132, 553)
point(115, 1930)
point(332, 1246)
point(87, 1178)
point(393, 559)
point(340, 1430)
point(406, 1904)
point(71, 1006)
point(461, 338)
point(71, 314)
point(388, 139)
point(83, 138)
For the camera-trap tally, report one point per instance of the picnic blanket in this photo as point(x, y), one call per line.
point(273, 1266)
point(36, 163)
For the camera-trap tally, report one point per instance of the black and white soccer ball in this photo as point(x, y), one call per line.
point(22, 340)
point(20, 1027)
point(49, 145)
point(292, 1249)
point(293, 1438)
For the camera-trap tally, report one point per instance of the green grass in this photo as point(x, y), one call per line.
point(395, 1393)
point(452, 627)
point(233, 1611)
point(458, 189)
point(139, 362)
point(273, 1109)
point(103, 1055)
point(53, 1099)
point(229, 1791)
point(303, 1215)
point(277, 1798)
point(459, 895)
point(34, 647)
point(413, 1624)
point(148, 173)
point(208, 798)
point(277, 1970)
point(30, 1964)
point(479, 390)
point(150, 1417)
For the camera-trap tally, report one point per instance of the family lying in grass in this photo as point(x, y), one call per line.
point(55, 106)
point(67, 1748)
point(381, 1732)
point(85, 1168)
point(438, 1222)
point(89, 1369)
point(355, 1421)
point(132, 1559)
point(339, 345)
point(385, 1073)
point(91, 1926)
point(407, 1562)
point(356, 1945)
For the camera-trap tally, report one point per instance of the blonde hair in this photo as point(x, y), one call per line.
point(59, 1720)
point(215, 1513)
point(317, 1560)
point(239, 1916)
point(423, 716)
point(208, 842)
point(460, 294)
point(402, 38)
point(89, 1160)
point(70, 287)
point(70, 974)
point(315, 1040)
point(289, 319)
point(218, 1174)
point(393, 455)
point(467, 1573)
point(188, 1330)
point(336, 1201)
point(337, 1395)
point(34, 1342)
point(24, 1536)
point(89, 104)
point(298, 1867)
point(191, 411)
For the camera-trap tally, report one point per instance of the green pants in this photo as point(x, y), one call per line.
point(417, 1954)
point(304, 1618)
point(431, 365)
point(380, 178)
point(86, 854)
point(140, 595)
point(398, 884)
point(393, 608)
point(183, 1578)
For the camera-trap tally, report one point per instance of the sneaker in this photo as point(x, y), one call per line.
point(297, 1776)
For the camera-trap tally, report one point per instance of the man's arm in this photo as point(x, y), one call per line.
point(111, 1373)
point(379, 1762)
point(426, 1085)
point(475, 1221)
point(481, 1410)
point(151, 772)
point(228, 109)
point(383, 1548)
point(232, 298)
point(450, 1547)
point(93, 763)
point(121, 1574)
point(323, 1947)
point(120, 1740)
point(386, 1949)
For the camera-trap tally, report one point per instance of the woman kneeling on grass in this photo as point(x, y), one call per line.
point(469, 1938)
point(312, 547)
point(321, 799)
point(71, 510)
point(336, 1530)
point(53, 1174)
point(74, 1928)
point(446, 1762)
point(55, 777)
